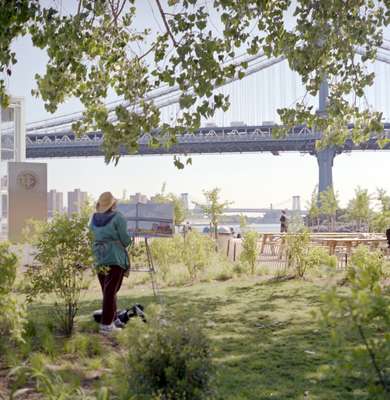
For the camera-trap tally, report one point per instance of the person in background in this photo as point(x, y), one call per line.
point(110, 240)
point(283, 222)
point(188, 226)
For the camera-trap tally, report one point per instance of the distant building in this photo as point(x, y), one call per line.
point(55, 203)
point(185, 201)
point(155, 198)
point(3, 197)
point(76, 201)
point(4, 182)
point(138, 198)
point(4, 205)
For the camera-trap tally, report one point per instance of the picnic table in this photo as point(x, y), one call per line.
point(332, 240)
point(348, 243)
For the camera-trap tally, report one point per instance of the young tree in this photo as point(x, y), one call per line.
point(314, 211)
point(96, 48)
point(214, 207)
point(196, 253)
point(179, 212)
point(250, 249)
point(381, 219)
point(63, 255)
point(359, 210)
point(329, 204)
point(243, 223)
point(384, 199)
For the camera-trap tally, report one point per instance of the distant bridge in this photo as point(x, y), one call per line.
point(259, 210)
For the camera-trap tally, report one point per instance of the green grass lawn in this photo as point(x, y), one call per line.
point(266, 342)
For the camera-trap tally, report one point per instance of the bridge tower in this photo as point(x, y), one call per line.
point(325, 156)
point(296, 203)
point(325, 163)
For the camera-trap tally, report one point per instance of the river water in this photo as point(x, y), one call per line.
point(269, 228)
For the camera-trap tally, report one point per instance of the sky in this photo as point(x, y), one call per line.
point(248, 179)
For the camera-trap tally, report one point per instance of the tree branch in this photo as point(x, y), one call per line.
point(79, 7)
point(163, 16)
point(373, 359)
point(120, 9)
point(146, 53)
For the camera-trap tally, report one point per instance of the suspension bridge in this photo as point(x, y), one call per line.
point(53, 138)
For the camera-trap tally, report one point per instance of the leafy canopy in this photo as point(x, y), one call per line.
point(95, 50)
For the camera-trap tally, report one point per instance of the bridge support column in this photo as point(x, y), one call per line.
point(325, 163)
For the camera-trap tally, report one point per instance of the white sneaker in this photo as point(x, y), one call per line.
point(108, 329)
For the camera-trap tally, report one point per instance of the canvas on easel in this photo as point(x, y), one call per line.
point(148, 221)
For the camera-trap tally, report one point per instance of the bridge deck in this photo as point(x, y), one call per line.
point(211, 140)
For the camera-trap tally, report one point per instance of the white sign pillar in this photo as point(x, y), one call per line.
point(12, 148)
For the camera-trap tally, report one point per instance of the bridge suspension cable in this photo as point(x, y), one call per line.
point(155, 94)
point(170, 97)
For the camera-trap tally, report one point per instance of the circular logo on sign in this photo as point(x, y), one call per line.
point(27, 180)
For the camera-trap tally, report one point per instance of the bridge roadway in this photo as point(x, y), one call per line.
point(206, 140)
point(238, 139)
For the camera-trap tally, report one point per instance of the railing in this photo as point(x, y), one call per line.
point(208, 135)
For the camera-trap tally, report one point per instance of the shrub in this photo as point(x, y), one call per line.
point(11, 311)
point(240, 268)
point(365, 267)
point(297, 246)
point(49, 384)
point(318, 256)
point(196, 253)
point(224, 272)
point(166, 252)
point(166, 360)
point(359, 321)
point(83, 345)
point(39, 336)
point(301, 257)
point(62, 254)
point(250, 249)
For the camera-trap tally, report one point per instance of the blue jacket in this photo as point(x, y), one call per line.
point(110, 239)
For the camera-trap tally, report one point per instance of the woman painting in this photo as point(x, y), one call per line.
point(110, 240)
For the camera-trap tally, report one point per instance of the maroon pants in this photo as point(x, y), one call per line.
point(110, 283)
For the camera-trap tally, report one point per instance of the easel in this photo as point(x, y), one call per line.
point(142, 218)
point(149, 269)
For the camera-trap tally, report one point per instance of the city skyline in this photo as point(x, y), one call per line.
point(275, 183)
